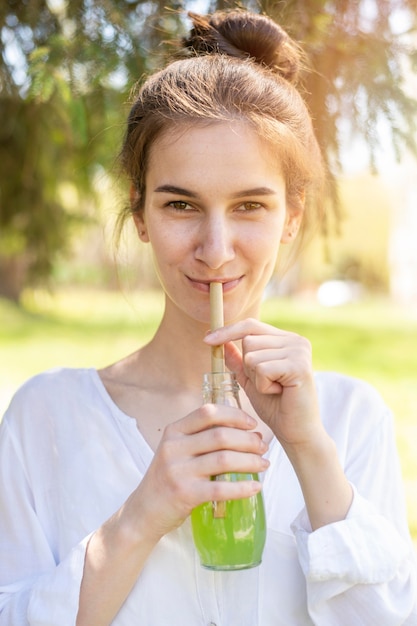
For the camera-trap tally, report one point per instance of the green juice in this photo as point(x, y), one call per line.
point(228, 535)
point(235, 539)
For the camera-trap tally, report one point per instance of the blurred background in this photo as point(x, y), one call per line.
point(71, 295)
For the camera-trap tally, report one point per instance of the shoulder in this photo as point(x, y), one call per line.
point(347, 402)
point(333, 386)
point(49, 392)
point(53, 414)
point(52, 381)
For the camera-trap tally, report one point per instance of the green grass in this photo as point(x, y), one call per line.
point(373, 340)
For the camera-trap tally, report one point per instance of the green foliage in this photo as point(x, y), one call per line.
point(358, 53)
point(359, 57)
point(64, 74)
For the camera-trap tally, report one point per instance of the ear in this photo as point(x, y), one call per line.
point(292, 226)
point(293, 220)
point(138, 216)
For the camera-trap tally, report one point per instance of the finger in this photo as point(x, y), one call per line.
point(267, 369)
point(220, 490)
point(276, 341)
point(253, 358)
point(255, 367)
point(239, 330)
point(269, 377)
point(229, 461)
point(221, 438)
point(209, 415)
point(234, 362)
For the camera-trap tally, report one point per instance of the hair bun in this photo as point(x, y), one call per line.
point(243, 34)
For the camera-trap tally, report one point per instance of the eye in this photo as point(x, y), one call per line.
point(179, 205)
point(251, 206)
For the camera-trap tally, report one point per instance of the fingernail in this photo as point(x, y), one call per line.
point(256, 486)
point(264, 446)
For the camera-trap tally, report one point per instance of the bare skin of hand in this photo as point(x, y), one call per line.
point(178, 479)
point(191, 450)
point(275, 370)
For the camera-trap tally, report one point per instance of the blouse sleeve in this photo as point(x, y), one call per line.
point(362, 570)
point(34, 589)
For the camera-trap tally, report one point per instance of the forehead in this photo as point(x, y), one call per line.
point(231, 144)
point(197, 128)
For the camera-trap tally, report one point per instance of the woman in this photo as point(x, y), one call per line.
point(101, 470)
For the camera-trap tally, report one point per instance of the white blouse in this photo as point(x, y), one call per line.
point(69, 458)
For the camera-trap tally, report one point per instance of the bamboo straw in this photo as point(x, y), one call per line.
point(217, 358)
point(216, 321)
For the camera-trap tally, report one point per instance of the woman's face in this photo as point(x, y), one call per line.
point(215, 210)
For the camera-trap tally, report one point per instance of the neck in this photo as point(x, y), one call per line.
point(177, 353)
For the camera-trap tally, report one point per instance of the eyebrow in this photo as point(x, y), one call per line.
point(255, 191)
point(176, 190)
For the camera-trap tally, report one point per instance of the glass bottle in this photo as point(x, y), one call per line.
point(228, 535)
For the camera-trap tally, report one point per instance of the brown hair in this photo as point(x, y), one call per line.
point(234, 65)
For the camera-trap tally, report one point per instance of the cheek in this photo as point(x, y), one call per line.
point(167, 249)
point(264, 244)
point(169, 238)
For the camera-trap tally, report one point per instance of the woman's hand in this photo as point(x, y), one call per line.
point(178, 479)
point(275, 371)
point(214, 439)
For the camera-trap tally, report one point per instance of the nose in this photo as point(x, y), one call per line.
point(215, 245)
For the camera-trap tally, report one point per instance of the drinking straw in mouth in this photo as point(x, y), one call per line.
point(216, 321)
point(217, 357)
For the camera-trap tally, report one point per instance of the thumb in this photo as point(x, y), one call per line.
point(234, 362)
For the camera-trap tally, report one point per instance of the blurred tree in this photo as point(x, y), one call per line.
point(65, 69)
point(67, 66)
point(360, 53)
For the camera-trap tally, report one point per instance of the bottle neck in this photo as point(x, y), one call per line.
point(221, 388)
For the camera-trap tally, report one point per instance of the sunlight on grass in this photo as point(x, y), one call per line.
point(73, 329)
point(86, 328)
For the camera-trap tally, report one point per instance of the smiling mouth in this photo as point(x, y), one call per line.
point(204, 285)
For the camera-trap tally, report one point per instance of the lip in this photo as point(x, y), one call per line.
point(204, 285)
